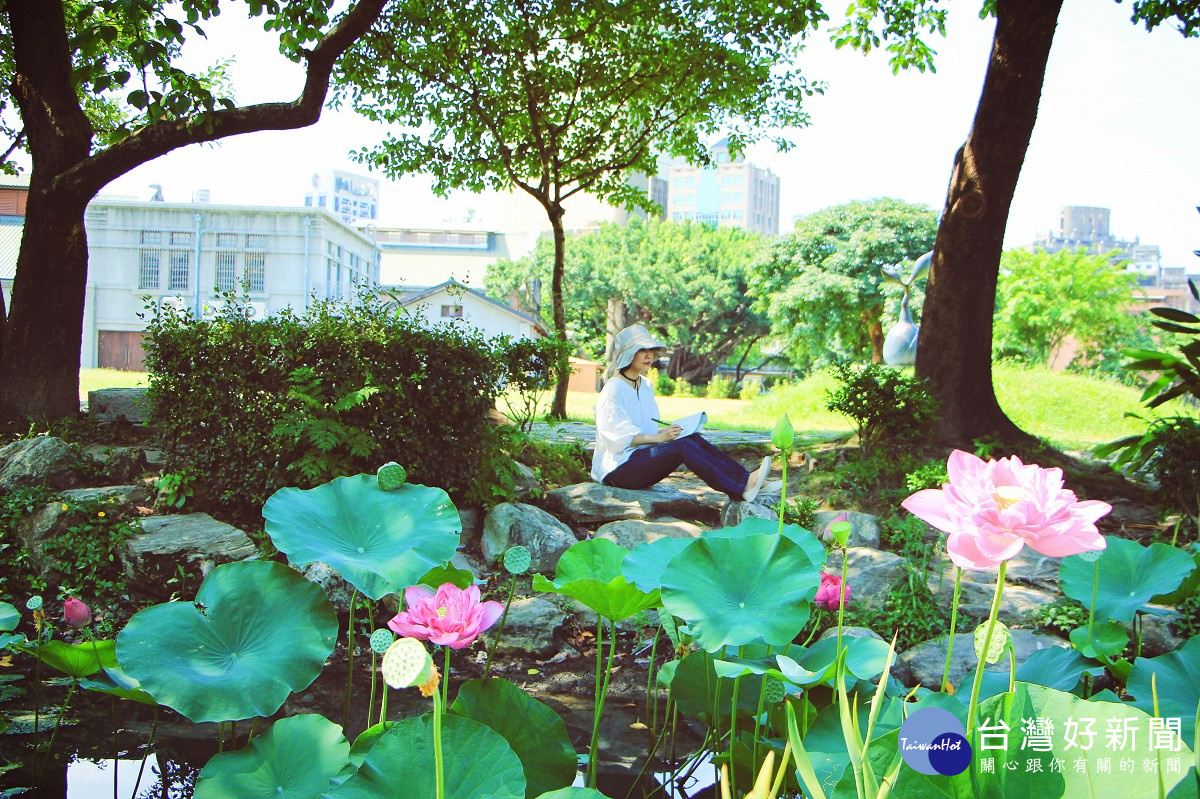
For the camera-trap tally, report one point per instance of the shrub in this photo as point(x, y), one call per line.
point(664, 386)
point(890, 409)
point(683, 388)
point(249, 407)
point(750, 389)
point(930, 475)
point(801, 511)
point(721, 388)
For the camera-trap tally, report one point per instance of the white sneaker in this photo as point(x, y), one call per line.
point(761, 477)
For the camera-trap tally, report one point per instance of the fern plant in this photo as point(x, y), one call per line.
point(328, 445)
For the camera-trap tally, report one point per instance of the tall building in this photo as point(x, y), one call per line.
point(730, 192)
point(1087, 227)
point(351, 197)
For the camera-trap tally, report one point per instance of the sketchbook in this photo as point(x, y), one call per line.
point(691, 424)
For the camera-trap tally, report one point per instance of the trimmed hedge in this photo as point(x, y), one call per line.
point(297, 399)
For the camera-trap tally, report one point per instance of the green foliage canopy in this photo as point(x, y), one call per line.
point(686, 281)
point(1043, 298)
point(821, 286)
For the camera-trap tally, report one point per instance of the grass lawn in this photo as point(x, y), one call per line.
point(1072, 411)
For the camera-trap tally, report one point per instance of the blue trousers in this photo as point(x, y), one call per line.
point(647, 465)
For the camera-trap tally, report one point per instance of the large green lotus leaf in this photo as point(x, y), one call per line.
point(590, 571)
point(477, 763)
point(1177, 683)
point(76, 660)
point(794, 532)
point(1189, 584)
point(380, 541)
point(645, 563)
point(116, 682)
point(865, 657)
point(1130, 576)
point(732, 591)
point(444, 573)
point(257, 632)
point(295, 758)
point(9, 616)
point(1058, 667)
point(535, 732)
point(1188, 787)
point(573, 793)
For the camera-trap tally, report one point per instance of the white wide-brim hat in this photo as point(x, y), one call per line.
point(626, 345)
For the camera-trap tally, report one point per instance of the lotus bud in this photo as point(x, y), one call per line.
point(75, 613)
point(783, 436)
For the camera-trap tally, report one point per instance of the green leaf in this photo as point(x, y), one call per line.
point(477, 763)
point(380, 541)
point(1189, 584)
point(1130, 576)
point(573, 793)
point(76, 660)
point(644, 565)
point(9, 617)
point(296, 758)
point(1177, 680)
point(590, 571)
point(257, 632)
point(1107, 640)
point(116, 682)
point(733, 591)
point(446, 573)
point(536, 733)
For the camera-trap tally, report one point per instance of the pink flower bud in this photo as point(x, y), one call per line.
point(832, 592)
point(75, 613)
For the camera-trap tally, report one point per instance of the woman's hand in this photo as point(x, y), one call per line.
point(669, 433)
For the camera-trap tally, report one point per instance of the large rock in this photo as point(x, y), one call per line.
point(529, 629)
point(115, 404)
point(514, 523)
point(340, 592)
point(528, 486)
point(975, 598)
point(126, 498)
point(734, 513)
point(928, 659)
point(195, 542)
point(631, 532)
point(864, 528)
point(1033, 569)
point(1158, 630)
point(870, 572)
point(44, 460)
point(596, 503)
point(125, 464)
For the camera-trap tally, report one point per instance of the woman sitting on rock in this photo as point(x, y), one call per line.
point(635, 450)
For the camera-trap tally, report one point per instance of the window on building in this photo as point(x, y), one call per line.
point(256, 271)
point(227, 241)
point(148, 275)
point(181, 238)
point(452, 312)
point(226, 270)
point(178, 274)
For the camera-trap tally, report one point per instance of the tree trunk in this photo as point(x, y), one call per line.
point(41, 336)
point(617, 318)
point(875, 332)
point(558, 409)
point(956, 324)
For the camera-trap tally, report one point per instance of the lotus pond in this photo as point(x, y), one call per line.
point(418, 704)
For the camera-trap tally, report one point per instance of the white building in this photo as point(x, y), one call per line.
point(456, 303)
point(731, 192)
point(180, 253)
point(431, 256)
point(349, 196)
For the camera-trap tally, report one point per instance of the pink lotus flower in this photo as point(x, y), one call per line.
point(991, 510)
point(452, 617)
point(832, 593)
point(75, 613)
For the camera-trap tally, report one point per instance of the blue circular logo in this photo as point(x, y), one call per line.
point(933, 741)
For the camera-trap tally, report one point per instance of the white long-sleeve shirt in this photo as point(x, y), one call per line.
point(621, 413)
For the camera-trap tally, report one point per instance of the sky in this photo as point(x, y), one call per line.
point(1117, 128)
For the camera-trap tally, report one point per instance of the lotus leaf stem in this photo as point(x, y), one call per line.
point(374, 676)
point(439, 775)
point(149, 744)
point(446, 678)
point(953, 625)
point(487, 667)
point(1095, 592)
point(651, 692)
point(842, 598)
point(601, 694)
point(62, 711)
point(987, 643)
point(349, 661)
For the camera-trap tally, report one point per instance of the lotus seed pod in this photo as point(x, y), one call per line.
point(1000, 640)
point(775, 691)
point(406, 663)
point(391, 476)
point(381, 639)
point(33, 603)
point(517, 560)
point(1090, 555)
